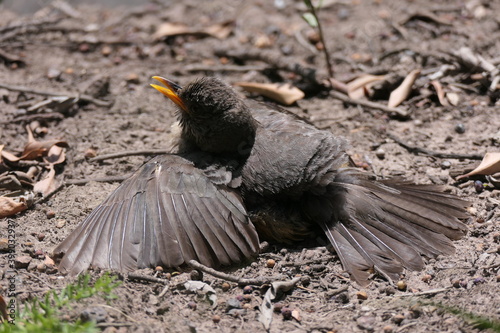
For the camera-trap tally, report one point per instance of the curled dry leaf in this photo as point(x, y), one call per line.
point(296, 315)
point(8, 156)
point(282, 93)
point(356, 88)
point(453, 98)
point(48, 184)
point(440, 92)
point(56, 155)
point(219, 30)
point(488, 166)
point(12, 206)
point(401, 93)
point(36, 149)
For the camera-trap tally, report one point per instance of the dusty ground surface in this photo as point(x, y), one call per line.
point(72, 52)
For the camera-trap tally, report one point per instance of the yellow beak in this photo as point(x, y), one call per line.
point(170, 90)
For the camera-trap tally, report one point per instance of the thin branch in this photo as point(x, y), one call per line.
point(85, 98)
point(346, 99)
point(228, 277)
point(138, 277)
point(129, 153)
point(417, 150)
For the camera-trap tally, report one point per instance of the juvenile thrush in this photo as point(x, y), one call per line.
point(244, 170)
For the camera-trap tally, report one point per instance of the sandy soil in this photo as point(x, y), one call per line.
point(84, 49)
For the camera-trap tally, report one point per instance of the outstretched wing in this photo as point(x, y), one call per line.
point(166, 214)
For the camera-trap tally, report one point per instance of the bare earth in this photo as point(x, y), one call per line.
point(76, 54)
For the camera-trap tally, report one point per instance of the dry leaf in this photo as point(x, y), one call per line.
point(453, 98)
point(219, 30)
point(49, 261)
point(283, 93)
point(168, 29)
point(36, 149)
point(3, 309)
point(440, 92)
point(401, 93)
point(8, 156)
point(46, 185)
point(10, 206)
point(488, 166)
point(56, 155)
point(296, 315)
point(356, 88)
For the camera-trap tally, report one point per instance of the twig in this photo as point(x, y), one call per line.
point(110, 179)
point(132, 276)
point(228, 277)
point(368, 104)
point(129, 153)
point(416, 150)
point(31, 117)
point(223, 68)
point(85, 98)
point(427, 292)
point(311, 7)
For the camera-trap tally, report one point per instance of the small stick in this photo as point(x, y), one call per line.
point(129, 153)
point(228, 277)
point(416, 150)
point(427, 292)
point(346, 99)
point(85, 98)
point(132, 276)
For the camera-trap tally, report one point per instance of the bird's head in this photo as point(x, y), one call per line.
point(211, 115)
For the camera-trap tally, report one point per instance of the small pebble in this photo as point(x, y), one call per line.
point(22, 262)
point(278, 306)
point(401, 285)
point(397, 319)
point(247, 290)
point(233, 303)
point(478, 186)
point(388, 329)
point(225, 286)
point(426, 278)
point(270, 263)
point(380, 153)
point(50, 214)
point(479, 280)
point(196, 275)
point(106, 50)
point(463, 284)
point(216, 319)
point(456, 283)
point(96, 314)
point(159, 269)
point(460, 128)
point(445, 165)
point(84, 47)
point(60, 223)
point(41, 267)
point(90, 153)
point(192, 305)
point(498, 278)
point(286, 313)
point(41, 237)
point(366, 322)
point(362, 295)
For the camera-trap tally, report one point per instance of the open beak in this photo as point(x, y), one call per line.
point(170, 90)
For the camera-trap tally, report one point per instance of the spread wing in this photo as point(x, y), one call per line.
point(166, 214)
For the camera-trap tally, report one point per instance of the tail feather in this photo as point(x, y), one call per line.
point(386, 226)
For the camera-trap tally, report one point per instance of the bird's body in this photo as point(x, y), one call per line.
point(240, 161)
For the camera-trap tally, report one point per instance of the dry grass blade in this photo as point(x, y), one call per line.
point(403, 91)
point(356, 88)
point(440, 92)
point(283, 93)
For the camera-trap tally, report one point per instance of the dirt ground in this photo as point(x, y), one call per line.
point(110, 54)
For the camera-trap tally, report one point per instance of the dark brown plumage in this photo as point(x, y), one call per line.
point(241, 163)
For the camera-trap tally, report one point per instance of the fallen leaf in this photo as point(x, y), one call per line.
point(453, 98)
point(3, 309)
point(168, 29)
point(36, 149)
point(203, 289)
point(401, 93)
point(283, 93)
point(8, 156)
point(56, 155)
point(48, 184)
point(296, 315)
point(49, 261)
point(10, 206)
point(488, 166)
point(275, 291)
point(219, 30)
point(356, 88)
point(440, 92)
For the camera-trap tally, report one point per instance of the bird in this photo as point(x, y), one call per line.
point(242, 171)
